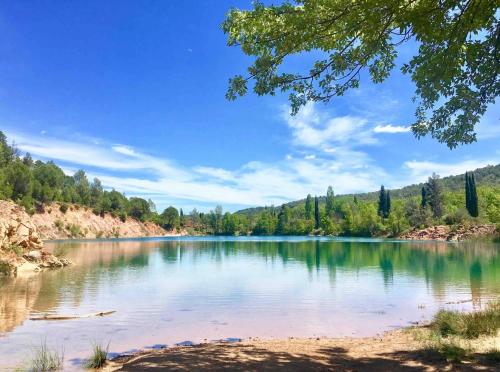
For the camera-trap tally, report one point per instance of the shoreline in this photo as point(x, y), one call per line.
point(396, 350)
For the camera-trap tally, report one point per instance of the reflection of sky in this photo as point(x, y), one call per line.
point(166, 292)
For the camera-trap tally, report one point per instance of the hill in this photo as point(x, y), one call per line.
point(486, 176)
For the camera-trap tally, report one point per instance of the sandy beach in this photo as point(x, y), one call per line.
point(395, 351)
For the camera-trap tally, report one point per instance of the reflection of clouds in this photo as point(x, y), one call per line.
point(236, 270)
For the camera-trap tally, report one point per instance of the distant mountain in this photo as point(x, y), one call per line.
point(487, 176)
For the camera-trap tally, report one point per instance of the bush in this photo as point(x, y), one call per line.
point(63, 207)
point(123, 216)
point(59, 224)
point(74, 230)
point(457, 217)
point(18, 250)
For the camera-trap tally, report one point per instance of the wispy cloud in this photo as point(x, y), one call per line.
point(325, 150)
point(420, 170)
point(312, 128)
point(389, 128)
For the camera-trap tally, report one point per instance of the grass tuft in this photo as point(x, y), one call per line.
point(45, 360)
point(468, 325)
point(98, 357)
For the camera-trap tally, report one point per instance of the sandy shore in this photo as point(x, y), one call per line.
point(395, 351)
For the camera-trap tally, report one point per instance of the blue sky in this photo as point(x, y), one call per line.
point(133, 92)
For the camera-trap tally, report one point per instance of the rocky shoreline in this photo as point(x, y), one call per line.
point(22, 235)
point(451, 233)
point(21, 247)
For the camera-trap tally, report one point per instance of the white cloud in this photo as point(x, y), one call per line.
point(391, 129)
point(311, 128)
point(254, 183)
point(326, 151)
point(420, 170)
point(125, 150)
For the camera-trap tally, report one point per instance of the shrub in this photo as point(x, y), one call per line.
point(98, 357)
point(457, 217)
point(63, 207)
point(99, 234)
point(59, 224)
point(74, 230)
point(17, 249)
point(123, 216)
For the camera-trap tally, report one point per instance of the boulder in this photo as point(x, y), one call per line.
point(33, 256)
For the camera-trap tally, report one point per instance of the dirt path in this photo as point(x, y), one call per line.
point(395, 351)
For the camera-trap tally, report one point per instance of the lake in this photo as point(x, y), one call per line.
point(169, 290)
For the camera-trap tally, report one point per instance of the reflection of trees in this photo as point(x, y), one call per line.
point(440, 264)
point(475, 283)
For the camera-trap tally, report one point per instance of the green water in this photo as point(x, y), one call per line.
point(170, 290)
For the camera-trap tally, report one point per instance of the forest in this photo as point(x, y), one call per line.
point(465, 199)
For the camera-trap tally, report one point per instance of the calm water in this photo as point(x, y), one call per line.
point(166, 291)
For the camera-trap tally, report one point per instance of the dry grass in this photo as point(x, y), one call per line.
point(45, 359)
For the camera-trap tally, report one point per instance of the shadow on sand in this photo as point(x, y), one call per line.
point(251, 358)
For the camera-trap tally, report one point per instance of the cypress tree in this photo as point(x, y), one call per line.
point(308, 207)
point(316, 213)
point(329, 202)
point(387, 204)
point(467, 192)
point(471, 201)
point(423, 203)
point(382, 200)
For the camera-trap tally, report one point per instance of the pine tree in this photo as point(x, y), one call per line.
point(309, 207)
point(434, 195)
point(382, 200)
point(329, 202)
point(316, 213)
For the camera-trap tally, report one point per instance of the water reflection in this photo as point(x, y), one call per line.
point(224, 282)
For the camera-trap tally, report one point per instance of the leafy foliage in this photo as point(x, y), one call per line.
point(455, 70)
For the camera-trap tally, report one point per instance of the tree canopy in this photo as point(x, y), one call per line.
point(455, 70)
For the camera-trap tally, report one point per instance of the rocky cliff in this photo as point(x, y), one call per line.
point(62, 222)
point(22, 235)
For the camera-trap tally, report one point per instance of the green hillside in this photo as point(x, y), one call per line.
point(487, 176)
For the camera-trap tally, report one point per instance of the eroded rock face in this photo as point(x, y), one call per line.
point(20, 244)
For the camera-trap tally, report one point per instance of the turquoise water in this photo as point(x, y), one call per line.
point(170, 290)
